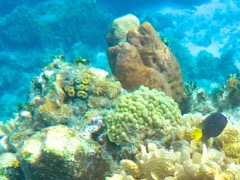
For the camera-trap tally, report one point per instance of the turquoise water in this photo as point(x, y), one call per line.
point(203, 35)
point(72, 106)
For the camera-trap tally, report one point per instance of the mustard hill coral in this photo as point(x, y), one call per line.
point(144, 108)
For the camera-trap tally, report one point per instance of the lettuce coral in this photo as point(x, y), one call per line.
point(145, 109)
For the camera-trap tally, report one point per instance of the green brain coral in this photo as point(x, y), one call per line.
point(141, 112)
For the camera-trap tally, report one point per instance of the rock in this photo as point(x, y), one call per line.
point(58, 152)
point(120, 29)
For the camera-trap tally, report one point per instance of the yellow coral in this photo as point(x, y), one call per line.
point(230, 142)
point(58, 86)
point(87, 77)
point(82, 94)
point(82, 87)
point(229, 135)
point(70, 90)
point(157, 164)
point(232, 150)
point(131, 167)
point(232, 82)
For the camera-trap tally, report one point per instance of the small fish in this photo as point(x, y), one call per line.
point(212, 126)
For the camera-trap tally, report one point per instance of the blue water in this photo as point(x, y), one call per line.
point(204, 36)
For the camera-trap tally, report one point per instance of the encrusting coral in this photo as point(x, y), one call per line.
point(141, 58)
point(146, 110)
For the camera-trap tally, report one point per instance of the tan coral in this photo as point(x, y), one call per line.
point(131, 167)
point(58, 86)
point(55, 108)
point(159, 163)
point(105, 87)
point(230, 142)
point(96, 101)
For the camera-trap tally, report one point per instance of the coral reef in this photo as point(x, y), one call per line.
point(51, 103)
point(196, 100)
point(13, 34)
point(7, 128)
point(143, 59)
point(80, 124)
point(64, 154)
point(227, 96)
point(146, 110)
point(153, 163)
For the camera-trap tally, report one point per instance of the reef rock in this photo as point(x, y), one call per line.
point(143, 59)
point(60, 153)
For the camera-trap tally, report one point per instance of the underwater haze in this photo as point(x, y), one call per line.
point(124, 80)
point(202, 34)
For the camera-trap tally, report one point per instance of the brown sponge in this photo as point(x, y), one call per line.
point(143, 59)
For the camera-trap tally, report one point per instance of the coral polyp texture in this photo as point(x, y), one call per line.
point(146, 110)
point(153, 163)
point(141, 58)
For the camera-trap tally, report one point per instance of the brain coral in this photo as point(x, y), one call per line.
point(145, 109)
point(143, 59)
